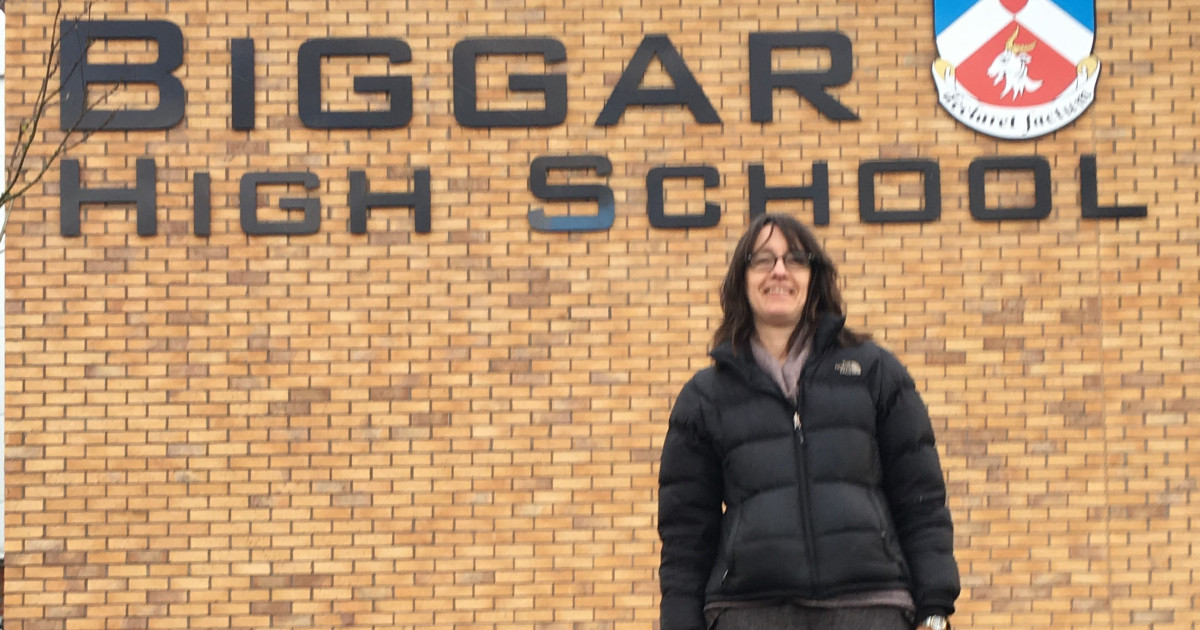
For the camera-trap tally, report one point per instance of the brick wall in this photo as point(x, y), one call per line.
point(461, 428)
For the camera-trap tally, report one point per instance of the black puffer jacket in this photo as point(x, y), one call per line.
point(852, 501)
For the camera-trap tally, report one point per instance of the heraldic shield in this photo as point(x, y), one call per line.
point(1015, 69)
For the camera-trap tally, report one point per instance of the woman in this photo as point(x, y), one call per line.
point(799, 486)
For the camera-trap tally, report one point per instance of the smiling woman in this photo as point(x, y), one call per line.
point(799, 484)
point(777, 277)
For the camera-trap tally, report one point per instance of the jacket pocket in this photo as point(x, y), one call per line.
point(730, 546)
point(887, 531)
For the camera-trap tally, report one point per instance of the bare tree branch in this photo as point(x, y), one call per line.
point(19, 177)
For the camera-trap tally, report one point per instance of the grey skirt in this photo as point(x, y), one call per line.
point(788, 616)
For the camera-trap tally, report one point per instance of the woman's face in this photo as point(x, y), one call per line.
point(777, 292)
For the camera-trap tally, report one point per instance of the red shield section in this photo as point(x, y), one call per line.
point(1042, 64)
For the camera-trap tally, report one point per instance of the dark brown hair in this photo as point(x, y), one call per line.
point(737, 323)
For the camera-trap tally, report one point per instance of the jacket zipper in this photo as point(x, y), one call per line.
point(802, 463)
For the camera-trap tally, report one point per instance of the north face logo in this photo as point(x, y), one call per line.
point(848, 367)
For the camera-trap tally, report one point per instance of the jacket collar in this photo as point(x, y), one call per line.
point(829, 326)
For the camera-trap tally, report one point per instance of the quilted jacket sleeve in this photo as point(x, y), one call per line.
point(689, 513)
point(916, 490)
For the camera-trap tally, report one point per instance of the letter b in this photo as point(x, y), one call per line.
point(77, 73)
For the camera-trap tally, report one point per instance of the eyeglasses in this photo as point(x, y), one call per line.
point(765, 261)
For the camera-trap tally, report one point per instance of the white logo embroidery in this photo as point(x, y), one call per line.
point(849, 367)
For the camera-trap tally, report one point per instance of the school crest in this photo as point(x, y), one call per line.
point(1015, 69)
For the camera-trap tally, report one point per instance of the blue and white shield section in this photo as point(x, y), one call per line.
point(1015, 69)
